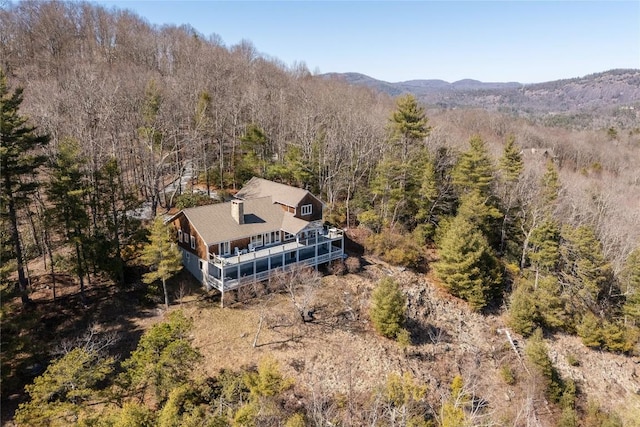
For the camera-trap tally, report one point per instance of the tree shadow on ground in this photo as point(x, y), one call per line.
point(33, 336)
point(426, 334)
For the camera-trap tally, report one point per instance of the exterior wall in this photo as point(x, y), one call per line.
point(286, 208)
point(181, 223)
point(316, 213)
point(240, 244)
point(193, 264)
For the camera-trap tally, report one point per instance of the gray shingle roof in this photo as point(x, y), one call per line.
point(280, 193)
point(215, 224)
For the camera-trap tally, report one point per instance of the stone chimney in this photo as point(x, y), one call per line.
point(237, 211)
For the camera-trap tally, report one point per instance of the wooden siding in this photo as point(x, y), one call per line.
point(316, 213)
point(181, 223)
point(286, 208)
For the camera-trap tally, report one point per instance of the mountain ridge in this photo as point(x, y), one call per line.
point(614, 93)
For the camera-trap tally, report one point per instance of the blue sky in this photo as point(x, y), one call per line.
point(524, 41)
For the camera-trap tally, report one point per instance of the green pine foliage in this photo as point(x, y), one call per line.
point(163, 359)
point(533, 305)
point(544, 249)
point(478, 210)
point(267, 381)
point(511, 163)
point(162, 255)
point(67, 191)
point(387, 308)
point(467, 265)
point(538, 355)
point(62, 392)
point(585, 272)
point(408, 122)
point(19, 164)
point(631, 287)
point(590, 330)
point(474, 170)
point(550, 187)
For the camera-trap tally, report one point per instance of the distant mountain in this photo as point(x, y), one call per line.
point(606, 93)
point(419, 87)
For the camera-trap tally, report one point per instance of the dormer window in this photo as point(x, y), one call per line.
point(306, 210)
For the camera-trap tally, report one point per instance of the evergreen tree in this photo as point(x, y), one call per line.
point(387, 308)
point(163, 359)
point(550, 187)
point(535, 304)
point(538, 354)
point(115, 228)
point(19, 163)
point(467, 266)
point(631, 286)
point(66, 191)
point(476, 208)
point(544, 251)
point(452, 412)
point(63, 390)
point(254, 153)
point(585, 272)
point(474, 169)
point(511, 167)
point(511, 163)
point(409, 124)
point(387, 190)
point(427, 189)
point(162, 256)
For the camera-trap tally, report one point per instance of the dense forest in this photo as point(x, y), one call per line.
point(102, 112)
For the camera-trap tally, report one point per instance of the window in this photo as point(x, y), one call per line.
point(256, 241)
point(179, 235)
point(225, 248)
point(200, 265)
point(288, 236)
point(193, 242)
point(186, 237)
point(187, 256)
point(267, 238)
point(275, 236)
point(306, 210)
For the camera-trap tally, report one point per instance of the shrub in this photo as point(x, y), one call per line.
point(572, 360)
point(394, 248)
point(353, 264)
point(338, 268)
point(507, 375)
point(387, 308)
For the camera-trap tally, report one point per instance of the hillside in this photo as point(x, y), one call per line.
point(529, 198)
point(340, 365)
point(613, 93)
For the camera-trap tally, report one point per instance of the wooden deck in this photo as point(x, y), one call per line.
point(231, 272)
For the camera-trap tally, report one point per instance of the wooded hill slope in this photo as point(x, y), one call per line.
point(538, 223)
point(603, 99)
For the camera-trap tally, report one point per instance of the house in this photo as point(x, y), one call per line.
point(267, 228)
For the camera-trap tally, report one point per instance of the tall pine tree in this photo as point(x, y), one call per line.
point(631, 286)
point(19, 163)
point(511, 167)
point(467, 265)
point(474, 170)
point(162, 256)
point(66, 191)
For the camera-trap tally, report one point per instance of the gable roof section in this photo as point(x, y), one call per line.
point(280, 193)
point(214, 223)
